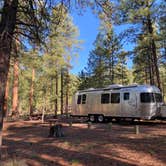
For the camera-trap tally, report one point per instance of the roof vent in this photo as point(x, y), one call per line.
point(90, 89)
point(115, 86)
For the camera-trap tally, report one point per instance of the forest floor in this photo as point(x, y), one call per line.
point(27, 142)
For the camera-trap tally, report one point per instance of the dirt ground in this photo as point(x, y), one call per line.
point(27, 142)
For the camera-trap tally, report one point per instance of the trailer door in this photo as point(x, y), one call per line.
point(128, 104)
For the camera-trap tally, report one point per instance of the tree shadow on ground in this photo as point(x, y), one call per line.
point(82, 146)
point(52, 155)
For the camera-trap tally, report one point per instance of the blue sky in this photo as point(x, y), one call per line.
point(88, 25)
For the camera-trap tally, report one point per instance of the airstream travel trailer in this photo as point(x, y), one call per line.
point(117, 102)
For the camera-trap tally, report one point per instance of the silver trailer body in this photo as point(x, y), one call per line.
point(163, 111)
point(117, 101)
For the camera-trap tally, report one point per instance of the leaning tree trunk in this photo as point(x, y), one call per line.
point(15, 88)
point(7, 27)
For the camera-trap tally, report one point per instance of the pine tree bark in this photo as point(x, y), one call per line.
point(62, 90)
point(156, 64)
point(6, 97)
point(7, 27)
point(153, 48)
point(4, 67)
point(151, 72)
point(112, 68)
point(56, 93)
point(31, 94)
point(15, 111)
point(67, 92)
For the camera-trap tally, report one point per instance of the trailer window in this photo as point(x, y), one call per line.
point(115, 97)
point(126, 96)
point(158, 97)
point(147, 97)
point(79, 99)
point(105, 98)
point(84, 99)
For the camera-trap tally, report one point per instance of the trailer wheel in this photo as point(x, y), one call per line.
point(100, 118)
point(92, 118)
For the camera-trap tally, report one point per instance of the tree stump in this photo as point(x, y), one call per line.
point(89, 125)
point(56, 131)
point(110, 126)
point(70, 123)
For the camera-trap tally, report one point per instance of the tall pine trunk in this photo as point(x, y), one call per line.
point(15, 87)
point(112, 68)
point(156, 63)
point(67, 92)
point(4, 67)
point(7, 27)
point(56, 93)
point(62, 90)
point(151, 72)
point(6, 97)
point(153, 49)
point(31, 94)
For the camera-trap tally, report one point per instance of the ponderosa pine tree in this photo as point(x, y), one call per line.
point(162, 32)
point(102, 62)
point(15, 102)
point(11, 15)
point(63, 45)
point(6, 96)
point(142, 14)
point(30, 66)
point(85, 81)
point(15, 85)
point(31, 19)
point(122, 73)
point(96, 65)
point(104, 58)
point(162, 46)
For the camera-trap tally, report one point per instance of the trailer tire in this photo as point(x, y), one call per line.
point(91, 118)
point(100, 118)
